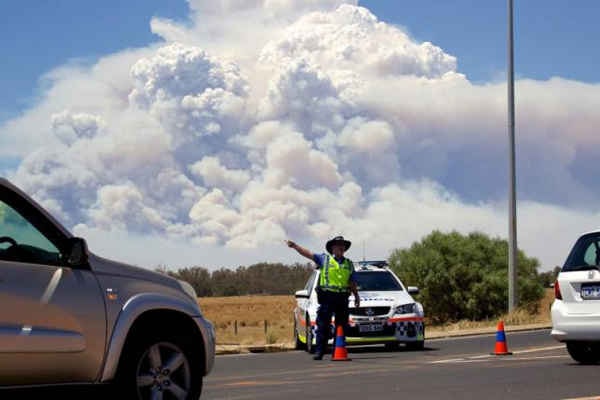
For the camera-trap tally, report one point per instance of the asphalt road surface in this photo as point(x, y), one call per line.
point(460, 368)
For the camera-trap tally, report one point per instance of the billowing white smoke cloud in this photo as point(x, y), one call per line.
point(70, 127)
point(216, 175)
point(314, 119)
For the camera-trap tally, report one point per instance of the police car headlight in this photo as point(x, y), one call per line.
point(406, 309)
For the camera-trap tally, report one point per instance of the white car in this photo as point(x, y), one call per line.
point(387, 314)
point(576, 308)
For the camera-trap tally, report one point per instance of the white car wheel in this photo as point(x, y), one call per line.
point(298, 343)
point(584, 352)
point(309, 336)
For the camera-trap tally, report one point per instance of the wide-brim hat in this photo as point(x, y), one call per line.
point(338, 239)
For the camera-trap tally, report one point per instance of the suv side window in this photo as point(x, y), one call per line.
point(20, 241)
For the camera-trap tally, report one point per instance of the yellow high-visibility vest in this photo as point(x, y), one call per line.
point(335, 277)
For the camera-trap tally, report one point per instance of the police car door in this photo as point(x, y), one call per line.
point(305, 303)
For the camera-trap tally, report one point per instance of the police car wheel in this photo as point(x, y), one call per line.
point(393, 346)
point(309, 337)
point(418, 345)
point(299, 345)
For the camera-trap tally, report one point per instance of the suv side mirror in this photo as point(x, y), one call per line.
point(412, 290)
point(77, 252)
point(302, 294)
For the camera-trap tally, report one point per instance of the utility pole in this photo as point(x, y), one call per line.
point(512, 197)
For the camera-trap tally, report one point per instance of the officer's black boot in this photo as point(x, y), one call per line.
point(321, 346)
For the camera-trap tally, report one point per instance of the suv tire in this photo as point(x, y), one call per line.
point(159, 361)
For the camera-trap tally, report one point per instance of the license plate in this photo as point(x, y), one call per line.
point(370, 328)
point(591, 292)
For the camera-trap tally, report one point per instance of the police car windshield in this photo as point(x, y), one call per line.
point(377, 281)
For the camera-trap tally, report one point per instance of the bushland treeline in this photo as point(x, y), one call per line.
point(459, 276)
point(262, 278)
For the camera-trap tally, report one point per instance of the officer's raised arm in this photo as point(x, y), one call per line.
point(301, 250)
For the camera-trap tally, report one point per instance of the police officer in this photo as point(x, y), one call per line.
point(335, 283)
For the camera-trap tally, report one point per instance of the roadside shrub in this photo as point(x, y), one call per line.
point(465, 276)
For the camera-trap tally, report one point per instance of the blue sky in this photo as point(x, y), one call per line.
point(442, 146)
point(554, 38)
point(37, 36)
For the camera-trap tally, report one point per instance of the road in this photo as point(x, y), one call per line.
point(459, 368)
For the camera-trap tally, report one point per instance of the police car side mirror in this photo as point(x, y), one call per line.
point(412, 290)
point(302, 294)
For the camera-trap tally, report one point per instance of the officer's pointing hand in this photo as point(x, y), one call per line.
point(290, 243)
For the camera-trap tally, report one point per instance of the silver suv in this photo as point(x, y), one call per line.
point(69, 316)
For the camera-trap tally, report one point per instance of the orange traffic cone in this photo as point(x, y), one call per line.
point(501, 348)
point(339, 352)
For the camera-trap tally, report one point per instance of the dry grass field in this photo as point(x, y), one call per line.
point(251, 312)
point(519, 317)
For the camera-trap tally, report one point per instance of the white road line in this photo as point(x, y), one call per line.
point(584, 398)
point(459, 361)
point(479, 360)
point(451, 360)
point(484, 357)
point(487, 334)
point(536, 358)
point(535, 349)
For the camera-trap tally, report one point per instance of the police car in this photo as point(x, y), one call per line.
point(387, 314)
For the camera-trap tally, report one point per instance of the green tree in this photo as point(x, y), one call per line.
point(227, 282)
point(465, 276)
point(267, 278)
point(549, 277)
point(199, 278)
point(262, 278)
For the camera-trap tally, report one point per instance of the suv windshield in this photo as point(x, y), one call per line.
point(585, 254)
point(377, 281)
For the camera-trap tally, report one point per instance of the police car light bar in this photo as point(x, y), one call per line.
point(376, 263)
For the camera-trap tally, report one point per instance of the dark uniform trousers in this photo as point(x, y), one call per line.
point(330, 303)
